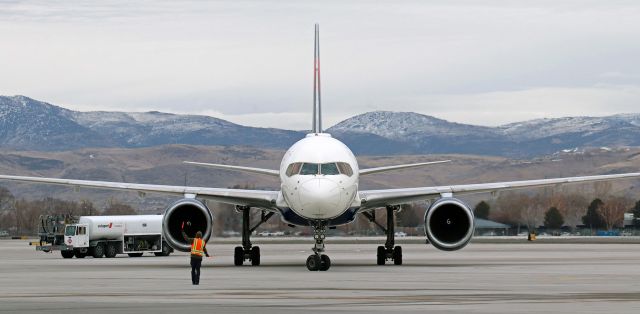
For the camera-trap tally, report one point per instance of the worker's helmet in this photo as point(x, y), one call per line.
point(198, 234)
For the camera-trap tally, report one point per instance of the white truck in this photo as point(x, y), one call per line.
point(106, 236)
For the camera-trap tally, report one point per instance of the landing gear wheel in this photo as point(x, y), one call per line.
point(255, 256)
point(397, 255)
point(238, 256)
point(111, 251)
point(66, 254)
point(79, 254)
point(325, 262)
point(313, 262)
point(98, 251)
point(382, 255)
point(389, 251)
point(134, 254)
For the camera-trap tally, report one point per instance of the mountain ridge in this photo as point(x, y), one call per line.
point(28, 124)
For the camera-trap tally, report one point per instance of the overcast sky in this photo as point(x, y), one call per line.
point(250, 62)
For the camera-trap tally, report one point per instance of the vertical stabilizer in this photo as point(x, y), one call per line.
point(317, 103)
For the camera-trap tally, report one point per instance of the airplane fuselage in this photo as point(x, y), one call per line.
point(319, 177)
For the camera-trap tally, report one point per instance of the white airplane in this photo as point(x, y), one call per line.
point(319, 188)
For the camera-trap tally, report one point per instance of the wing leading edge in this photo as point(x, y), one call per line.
point(255, 198)
point(399, 167)
point(268, 172)
point(380, 198)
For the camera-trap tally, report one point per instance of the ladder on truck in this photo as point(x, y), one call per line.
point(51, 231)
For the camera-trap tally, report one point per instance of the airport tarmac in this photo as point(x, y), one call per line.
point(481, 278)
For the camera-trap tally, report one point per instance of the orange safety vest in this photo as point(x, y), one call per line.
point(197, 247)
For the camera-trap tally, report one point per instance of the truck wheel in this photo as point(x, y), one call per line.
point(67, 254)
point(166, 250)
point(134, 254)
point(79, 254)
point(98, 251)
point(111, 251)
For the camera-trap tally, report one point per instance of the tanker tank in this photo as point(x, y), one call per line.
point(113, 227)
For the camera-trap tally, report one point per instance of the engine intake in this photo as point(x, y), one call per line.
point(196, 217)
point(449, 224)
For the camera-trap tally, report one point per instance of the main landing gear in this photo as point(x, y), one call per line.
point(389, 251)
point(247, 251)
point(317, 260)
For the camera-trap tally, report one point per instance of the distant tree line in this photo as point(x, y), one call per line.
point(20, 216)
point(556, 209)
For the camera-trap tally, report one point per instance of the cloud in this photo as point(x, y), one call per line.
point(486, 62)
point(495, 108)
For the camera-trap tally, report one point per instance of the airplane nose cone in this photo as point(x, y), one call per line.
point(319, 196)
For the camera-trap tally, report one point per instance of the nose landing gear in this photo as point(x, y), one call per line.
point(318, 261)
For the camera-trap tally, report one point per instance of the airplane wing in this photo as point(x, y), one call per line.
point(381, 198)
point(269, 172)
point(255, 198)
point(399, 167)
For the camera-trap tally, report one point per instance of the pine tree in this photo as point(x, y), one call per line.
point(593, 219)
point(636, 214)
point(482, 210)
point(553, 219)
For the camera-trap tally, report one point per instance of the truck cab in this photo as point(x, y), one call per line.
point(76, 236)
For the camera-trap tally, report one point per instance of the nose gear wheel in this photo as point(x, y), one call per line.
point(318, 261)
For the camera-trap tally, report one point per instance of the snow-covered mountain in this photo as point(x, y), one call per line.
point(541, 128)
point(425, 134)
point(26, 123)
point(29, 124)
point(402, 125)
point(417, 133)
point(34, 125)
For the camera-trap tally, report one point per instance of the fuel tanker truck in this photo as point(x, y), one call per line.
point(103, 236)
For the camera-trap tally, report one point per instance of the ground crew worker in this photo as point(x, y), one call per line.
point(198, 248)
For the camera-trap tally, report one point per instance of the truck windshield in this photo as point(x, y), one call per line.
point(70, 231)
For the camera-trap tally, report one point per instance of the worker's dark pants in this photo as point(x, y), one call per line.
point(195, 270)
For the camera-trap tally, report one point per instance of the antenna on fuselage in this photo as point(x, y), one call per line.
point(317, 107)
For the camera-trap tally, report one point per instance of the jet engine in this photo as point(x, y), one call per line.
point(449, 224)
point(190, 215)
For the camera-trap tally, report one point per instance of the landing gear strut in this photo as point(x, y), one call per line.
point(317, 260)
point(247, 251)
point(389, 251)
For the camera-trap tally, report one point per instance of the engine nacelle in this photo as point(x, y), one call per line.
point(449, 224)
point(196, 217)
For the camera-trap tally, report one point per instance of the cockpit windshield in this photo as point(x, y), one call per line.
point(331, 169)
point(309, 169)
point(293, 168)
point(345, 168)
